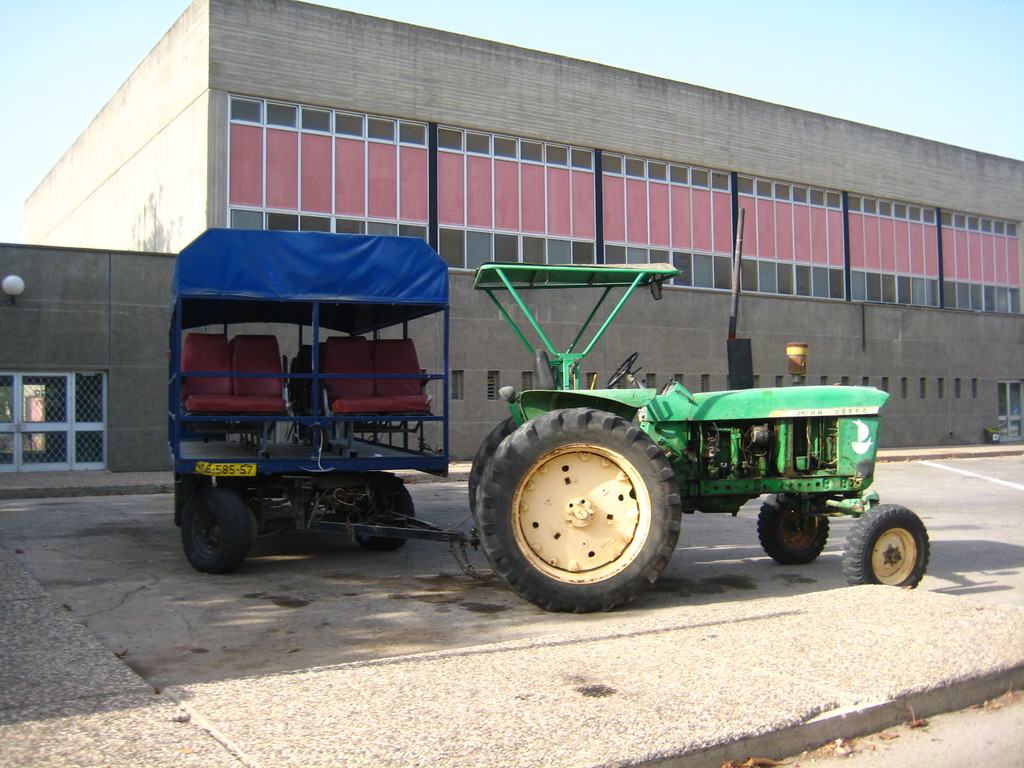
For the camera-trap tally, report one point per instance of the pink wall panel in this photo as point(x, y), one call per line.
point(636, 212)
point(749, 204)
point(857, 260)
point(915, 248)
point(316, 173)
point(682, 236)
point(382, 187)
point(722, 222)
point(412, 184)
point(479, 192)
point(766, 229)
point(659, 211)
point(506, 194)
point(872, 244)
point(988, 258)
point(820, 240)
point(282, 169)
point(931, 250)
point(246, 184)
point(784, 231)
point(950, 264)
point(703, 226)
point(802, 251)
point(559, 202)
point(887, 243)
point(964, 262)
point(534, 204)
point(349, 177)
point(836, 256)
point(614, 205)
point(1012, 262)
point(1002, 271)
point(583, 224)
point(451, 197)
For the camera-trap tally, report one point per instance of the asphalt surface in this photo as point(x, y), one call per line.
point(687, 686)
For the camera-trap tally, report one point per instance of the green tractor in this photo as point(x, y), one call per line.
point(578, 495)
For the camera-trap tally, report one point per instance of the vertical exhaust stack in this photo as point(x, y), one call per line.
point(741, 364)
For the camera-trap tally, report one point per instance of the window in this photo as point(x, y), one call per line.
point(457, 386)
point(493, 384)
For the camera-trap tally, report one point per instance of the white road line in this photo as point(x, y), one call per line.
point(1007, 483)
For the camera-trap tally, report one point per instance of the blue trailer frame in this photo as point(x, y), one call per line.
point(314, 284)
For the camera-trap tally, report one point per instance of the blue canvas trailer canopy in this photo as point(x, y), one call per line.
point(361, 282)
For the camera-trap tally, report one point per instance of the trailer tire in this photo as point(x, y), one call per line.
point(217, 530)
point(403, 506)
point(788, 536)
point(889, 545)
point(578, 510)
point(483, 457)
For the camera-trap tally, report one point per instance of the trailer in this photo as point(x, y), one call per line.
point(296, 392)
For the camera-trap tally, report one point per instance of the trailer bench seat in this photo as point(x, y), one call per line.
point(212, 353)
point(354, 355)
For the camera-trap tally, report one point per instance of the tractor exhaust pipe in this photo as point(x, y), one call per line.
point(741, 364)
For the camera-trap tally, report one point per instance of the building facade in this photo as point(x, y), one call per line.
point(899, 260)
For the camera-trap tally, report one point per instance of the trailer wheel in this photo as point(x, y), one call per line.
point(889, 545)
point(484, 454)
point(217, 530)
point(578, 511)
point(393, 505)
point(789, 537)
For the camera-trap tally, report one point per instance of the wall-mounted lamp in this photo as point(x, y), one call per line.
point(13, 286)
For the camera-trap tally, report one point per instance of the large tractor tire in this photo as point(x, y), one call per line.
point(484, 454)
point(217, 530)
point(578, 510)
point(788, 536)
point(888, 545)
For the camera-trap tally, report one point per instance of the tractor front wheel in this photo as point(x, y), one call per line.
point(788, 536)
point(889, 545)
point(578, 510)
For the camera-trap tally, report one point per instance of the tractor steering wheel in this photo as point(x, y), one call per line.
point(625, 369)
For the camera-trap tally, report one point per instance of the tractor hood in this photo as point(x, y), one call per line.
point(777, 403)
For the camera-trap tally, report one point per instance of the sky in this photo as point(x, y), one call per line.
point(948, 71)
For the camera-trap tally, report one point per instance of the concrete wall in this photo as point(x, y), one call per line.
point(137, 178)
point(85, 311)
point(685, 333)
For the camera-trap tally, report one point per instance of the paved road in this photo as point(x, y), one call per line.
point(305, 600)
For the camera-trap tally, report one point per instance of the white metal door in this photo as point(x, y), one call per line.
point(52, 421)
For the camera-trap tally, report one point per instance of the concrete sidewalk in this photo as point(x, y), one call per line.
point(691, 688)
point(694, 687)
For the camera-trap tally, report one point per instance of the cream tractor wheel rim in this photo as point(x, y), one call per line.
point(893, 556)
point(581, 513)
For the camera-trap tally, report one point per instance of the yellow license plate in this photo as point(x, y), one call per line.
point(225, 470)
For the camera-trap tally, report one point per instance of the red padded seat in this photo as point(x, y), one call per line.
point(398, 356)
point(211, 353)
point(256, 354)
point(207, 353)
point(348, 355)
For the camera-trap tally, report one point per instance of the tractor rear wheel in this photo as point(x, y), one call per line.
point(889, 545)
point(484, 454)
point(578, 510)
point(789, 536)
